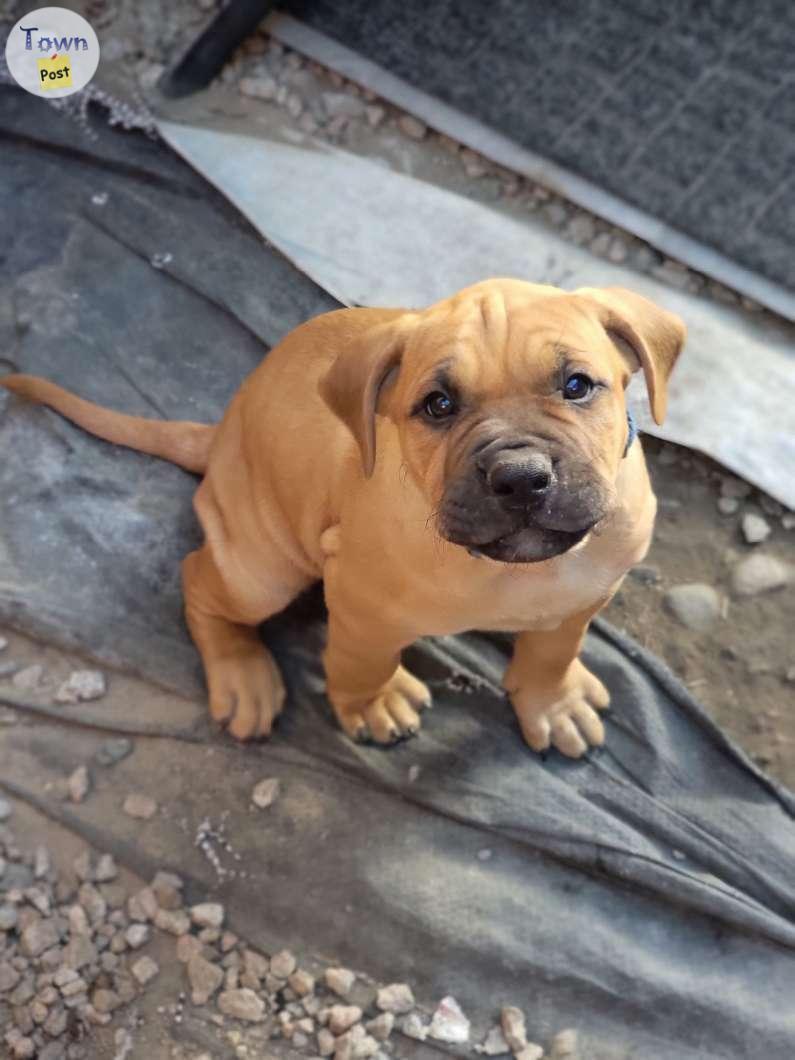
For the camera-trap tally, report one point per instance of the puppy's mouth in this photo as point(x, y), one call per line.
point(530, 545)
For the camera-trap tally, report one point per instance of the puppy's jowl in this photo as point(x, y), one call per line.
point(468, 466)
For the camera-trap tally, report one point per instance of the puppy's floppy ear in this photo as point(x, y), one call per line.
point(352, 385)
point(654, 336)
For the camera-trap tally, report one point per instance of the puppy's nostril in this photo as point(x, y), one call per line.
point(538, 481)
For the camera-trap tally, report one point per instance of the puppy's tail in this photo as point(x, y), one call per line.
point(180, 441)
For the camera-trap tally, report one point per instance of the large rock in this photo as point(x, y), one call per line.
point(759, 573)
point(696, 606)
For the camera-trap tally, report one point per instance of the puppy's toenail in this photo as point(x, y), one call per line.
point(412, 730)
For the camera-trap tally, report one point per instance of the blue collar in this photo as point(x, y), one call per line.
point(632, 431)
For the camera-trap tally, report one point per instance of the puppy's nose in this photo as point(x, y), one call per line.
point(521, 474)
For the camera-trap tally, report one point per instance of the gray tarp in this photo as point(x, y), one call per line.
point(644, 895)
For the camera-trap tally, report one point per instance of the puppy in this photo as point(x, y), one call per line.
point(470, 465)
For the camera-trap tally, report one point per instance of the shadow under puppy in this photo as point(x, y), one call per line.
point(470, 465)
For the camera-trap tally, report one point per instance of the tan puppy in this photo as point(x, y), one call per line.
point(456, 468)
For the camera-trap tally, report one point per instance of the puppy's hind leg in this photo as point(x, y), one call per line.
point(223, 611)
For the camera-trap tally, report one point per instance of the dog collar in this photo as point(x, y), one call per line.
point(632, 432)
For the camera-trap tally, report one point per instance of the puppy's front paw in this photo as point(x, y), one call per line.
point(565, 717)
point(390, 715)
point(246, 693)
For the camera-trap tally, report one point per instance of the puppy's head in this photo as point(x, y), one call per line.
point(509, 402)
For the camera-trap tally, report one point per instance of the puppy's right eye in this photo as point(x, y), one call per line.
point(439, 406)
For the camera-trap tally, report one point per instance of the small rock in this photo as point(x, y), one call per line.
point(788, 520)
point(617, 251)
point(83, 865)
point(136, 936)
point(105, 1000)
point(8, 669)
point(82, 686)
point(167, 889)
point(728, 505)
point(283, 964)
point(38, 936)
point(255, 964)
point(265, 793)
point(759, 573)
point(646, 574)
point(341, 105)
point(601, 244)
point(142, 807)
point(532, 1051)
point(5, 809)
point(92, 901)
point(3, 643)
point(326, 1043)
point(673, 273)
point(301, 982)
point(556, 213)
point(29, 679)
point(375, 115)
point(263, 87)
point(755, 528)
point(413, 1027)
point(78, 784)
point(734, 487)
point(174, 921)
point(56, 1023)
point(340, 981)
point(564, 1044)
point(113, 751)
point(188, 946)
point(78, 921)
point(381, 1027)
point(475, 165)
point(242, 1005)
point(207, 914)
point(696, 606)
point(79, 952)
point(8, 918)
point(581, 228)
point(513, 1027)
point(22, 1048)
point(342, 1017)
point(449, 1024)
point(494, 1044)
point(412, 127)
point(397, 998)
point(106, 869)
point(205, 978)
point(142, 905)
point(9, 977)
point(228, 941)
point(144, 969)
point(41, 862)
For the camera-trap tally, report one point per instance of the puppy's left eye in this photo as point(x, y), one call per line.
point(578, 387)
point(438, 405)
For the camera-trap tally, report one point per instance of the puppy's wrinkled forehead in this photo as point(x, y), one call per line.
point(496, 337)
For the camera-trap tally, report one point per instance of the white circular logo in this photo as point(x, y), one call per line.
point(52, 52)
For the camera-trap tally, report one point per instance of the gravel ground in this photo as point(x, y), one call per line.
point(87, 951)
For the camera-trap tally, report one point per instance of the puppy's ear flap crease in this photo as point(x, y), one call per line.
point(352, 385)
point(654, 336)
